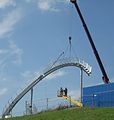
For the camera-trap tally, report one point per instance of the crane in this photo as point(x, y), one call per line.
point(105, 76)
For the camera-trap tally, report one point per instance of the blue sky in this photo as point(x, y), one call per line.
point(35, 32)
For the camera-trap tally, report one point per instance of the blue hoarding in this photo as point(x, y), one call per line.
point(99, 95)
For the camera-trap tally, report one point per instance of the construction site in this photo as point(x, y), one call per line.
point(95, 96)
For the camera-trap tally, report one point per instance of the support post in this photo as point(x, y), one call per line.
point(26, 107)
point(81, 84)
point(93, 100)
point(31, 102)
point(70, 101)
point(47, 103)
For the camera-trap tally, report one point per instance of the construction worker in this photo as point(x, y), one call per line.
point(61, 91)
point(65, 91)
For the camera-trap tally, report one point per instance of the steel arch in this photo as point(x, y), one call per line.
point(52, 67)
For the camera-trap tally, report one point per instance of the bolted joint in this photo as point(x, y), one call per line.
point(73, 1)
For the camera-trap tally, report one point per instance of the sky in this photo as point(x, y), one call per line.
point(33, 33)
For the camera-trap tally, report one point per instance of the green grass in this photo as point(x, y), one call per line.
point(73, 114)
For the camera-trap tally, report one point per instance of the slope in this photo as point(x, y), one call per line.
point(73, 114)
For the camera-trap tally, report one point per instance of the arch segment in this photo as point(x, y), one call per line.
point(50, 69)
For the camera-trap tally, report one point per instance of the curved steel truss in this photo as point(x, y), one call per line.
point(51, 68)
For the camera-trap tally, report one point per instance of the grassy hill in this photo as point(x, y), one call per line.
point(73, 114)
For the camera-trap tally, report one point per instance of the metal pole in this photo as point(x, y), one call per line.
point(47, 103)
point(81, 84)
point(93, 100)
point(31, 100)
point(70, 100)
point(26, 107)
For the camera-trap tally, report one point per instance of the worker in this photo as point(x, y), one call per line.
point(65, 91)
point(61, 91)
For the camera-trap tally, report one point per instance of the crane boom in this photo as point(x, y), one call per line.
point(105, 77)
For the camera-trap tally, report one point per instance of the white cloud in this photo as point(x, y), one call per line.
point(3, 91)
point(55, 75)
point(3, 77)
point(12, 54)
point(48, 5)
point(26, 74)
point(75, 94)
point(29, 75)
point(8, 22)
point(5, 3)
point(3, 57)
point(16, 52)
point(3, 51)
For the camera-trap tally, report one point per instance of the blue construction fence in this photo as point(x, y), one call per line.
point(99, 95)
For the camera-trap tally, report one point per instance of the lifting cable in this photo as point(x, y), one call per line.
point(57, 59)
point(68, 51)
